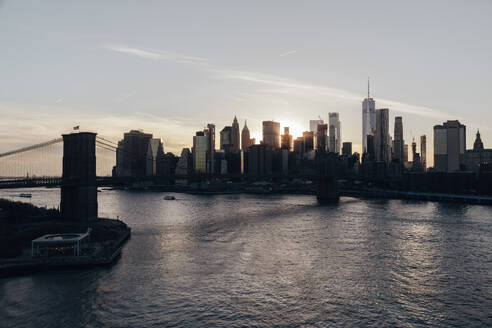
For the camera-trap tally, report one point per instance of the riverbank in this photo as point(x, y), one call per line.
point(20, 223)
point(312, 190)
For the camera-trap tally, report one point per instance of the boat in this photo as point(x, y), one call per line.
point(25, 195)
point(169, 198)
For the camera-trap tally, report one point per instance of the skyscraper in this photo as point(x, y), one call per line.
point(335, 132)
point(271, 133)
point(449, 146)
point(347, 149)
point(381, 137)
point(313, 125)
point(423, 151)
point(184, 165)
point(209, 133)
point(235, 134)
point(155, 151)
point(226, 137)
point(368, 119)
point(286, 139)
point(131, 155)
point(398, 141)
point(322, 137)
point(200, 150)
point(245, 138)
point(414, 151)
point(308, 137)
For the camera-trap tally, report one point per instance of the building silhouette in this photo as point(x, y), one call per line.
point(322, 137)
point(286, 142)
point(423, 151)
point(335, 132)
point(313, 125)
point(381, 136)
point(155, 152)
point(225, 137)
point(347, 149)
point(260, 159)
point(185, 163)
point(200, 151)
point(209, 132)
point(235, 135)
point(398, 143)
point(478, 156)
point(308, 137)
point(368, 118)
point(449, 146)
point(132, 152)
point(271, 133)
point(246, 142)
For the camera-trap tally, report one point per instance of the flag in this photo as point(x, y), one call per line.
point(76, 127)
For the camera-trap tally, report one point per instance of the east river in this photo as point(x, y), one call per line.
point(270, 261)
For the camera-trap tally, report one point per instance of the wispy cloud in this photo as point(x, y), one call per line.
point(154, 54)
point(277, 84)
point(288, 53)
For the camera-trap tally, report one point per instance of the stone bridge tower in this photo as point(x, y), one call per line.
point(79, 185)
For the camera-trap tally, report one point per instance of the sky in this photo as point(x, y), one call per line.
point(171, 67)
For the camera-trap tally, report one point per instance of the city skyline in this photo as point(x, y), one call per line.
point(123, 76)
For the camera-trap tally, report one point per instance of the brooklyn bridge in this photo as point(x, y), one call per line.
point(86, 159)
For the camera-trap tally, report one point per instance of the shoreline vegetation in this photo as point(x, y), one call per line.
point(20, 223)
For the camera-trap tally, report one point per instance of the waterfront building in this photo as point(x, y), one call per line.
point(225, 137)
point(235, 134)
point(313, 125)
point(478, 156)
point(245, 138)
point(286, 139)
point(347, 149)
point(449, 146)
point(260, 160)
point(308, 137)
point(423, 152)
point(131, 155)
point(299, 146)
point(271, 133)
point(200, 151)
point(405, 153)
point(335, 132)
point(322, 137)
point(55, 245)
point(368, 118)
point(209, 132)
point(155, 151)
point(398, 143)
point(185, 163)
point(166, 165)
point(381, 136)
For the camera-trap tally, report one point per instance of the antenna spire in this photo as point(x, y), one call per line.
point(368, 87)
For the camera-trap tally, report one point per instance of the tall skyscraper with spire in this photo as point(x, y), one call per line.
point(235, 134)
point(368, 118)
point(245, 138)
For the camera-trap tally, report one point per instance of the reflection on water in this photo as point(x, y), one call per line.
point(243, 260)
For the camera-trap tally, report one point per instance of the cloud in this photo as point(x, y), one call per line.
point(288, 53)
point(153, 54)
point(278, 84)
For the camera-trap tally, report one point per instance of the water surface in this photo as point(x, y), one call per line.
point(270, 261)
